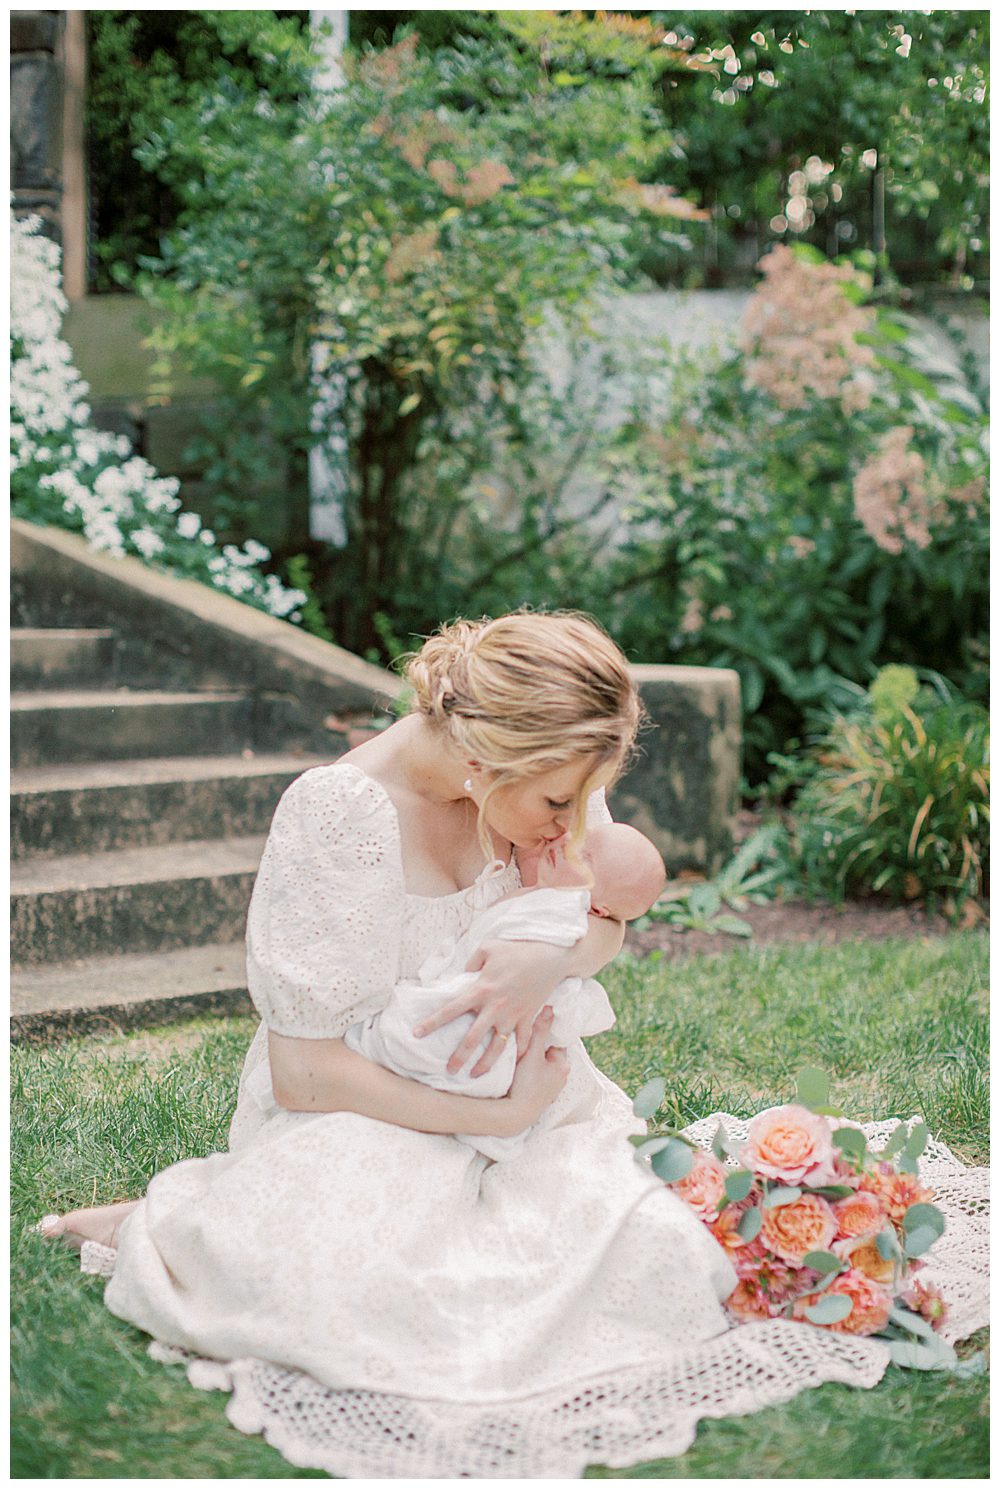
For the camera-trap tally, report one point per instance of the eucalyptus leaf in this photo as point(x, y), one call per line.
point(906, 1164)
point(648, 1098)
point(832, 1191)
point(722, 1145)
point(850, 1141)
point(913, 1323)
point(823, 1261)
point(650, 1145)
point(919, 1240)
point(887, 1246)
point(924, 1214)
point(913, 1356)
point(917, 1140)
point(812, 1087)
point(738, 1185)
point(782, 1194)
point(896, 1142)
point(673, 1162)
point(750, 1224)
point(829, 1310)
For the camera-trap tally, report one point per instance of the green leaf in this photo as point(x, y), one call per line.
point(750, 1224)
point(738, 1185)
point(887, 1246)
point(823, 1262)
point(919, 1240)
point(930, 1354)
point(922, 1216)
point(722, 1147)
point(732, 925)
point(648, 1098)
point(829, 1310)
point(672, 1162)
point(896, 1143)
point(812, 1087)
point(650, 1145)
point(832, 1191)
point(917, 1141)
point(409, 403)
point(782, 1194)
point(914, 1323)
point(850, 1141)
point(704, 901)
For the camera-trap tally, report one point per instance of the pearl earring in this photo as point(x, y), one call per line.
point(467, 785)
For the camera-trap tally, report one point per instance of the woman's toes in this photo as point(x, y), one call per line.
point(50, 1225)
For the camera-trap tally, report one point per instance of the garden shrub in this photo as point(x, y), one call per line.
point(66, 473)
point(369, 271)
point(897, 802)
point(811, 506)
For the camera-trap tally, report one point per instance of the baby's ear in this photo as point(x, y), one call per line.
point(601, 911)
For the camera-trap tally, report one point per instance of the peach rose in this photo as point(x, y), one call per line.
point(723, 1227)
point(792, 1144)
point(704, 1188)
point(860, 1214)
point(897, 1191)
point(870, 1312)
point(807, 1224)
point(864, 1256)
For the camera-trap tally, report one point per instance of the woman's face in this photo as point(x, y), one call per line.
point(540, 808)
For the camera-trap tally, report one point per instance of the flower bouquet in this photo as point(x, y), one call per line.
point(818, 1228)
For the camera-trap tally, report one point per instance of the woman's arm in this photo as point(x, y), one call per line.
point(323, 1075)
point(516, 978)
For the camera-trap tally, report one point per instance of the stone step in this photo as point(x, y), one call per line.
point(45, 659)
point(99, 806)
point(132, 899)
point(127, 991)
point(57, 727)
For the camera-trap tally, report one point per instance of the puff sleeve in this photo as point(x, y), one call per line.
point(325, 923)
point(597, 808)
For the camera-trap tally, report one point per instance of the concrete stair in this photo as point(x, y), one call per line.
point(138, 817)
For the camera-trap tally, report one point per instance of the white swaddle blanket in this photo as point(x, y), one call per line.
point(580, 1005)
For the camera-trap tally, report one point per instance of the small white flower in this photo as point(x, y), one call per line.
point(208, 538)
point(148, 542)
point(256, 552)
point(188, 525)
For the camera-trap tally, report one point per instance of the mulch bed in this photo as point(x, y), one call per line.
point(797, 921)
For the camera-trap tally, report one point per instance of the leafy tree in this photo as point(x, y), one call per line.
point(813, 114)
point(413, 230)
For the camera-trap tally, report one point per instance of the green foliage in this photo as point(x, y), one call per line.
point(751, 876)
point(806, 506)
point(811, 116)
point(402, 238)
point(899, 801)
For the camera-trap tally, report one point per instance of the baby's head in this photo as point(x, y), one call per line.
point(624, 872)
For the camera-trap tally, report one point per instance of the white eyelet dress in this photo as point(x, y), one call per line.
point(385, 1303)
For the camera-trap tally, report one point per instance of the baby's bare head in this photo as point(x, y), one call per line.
point(624, 871)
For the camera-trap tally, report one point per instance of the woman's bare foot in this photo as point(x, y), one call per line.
point(100, 1225)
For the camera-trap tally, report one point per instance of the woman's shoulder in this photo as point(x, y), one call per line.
point(333, 798)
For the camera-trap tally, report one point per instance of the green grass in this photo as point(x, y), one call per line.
point(901, 1027)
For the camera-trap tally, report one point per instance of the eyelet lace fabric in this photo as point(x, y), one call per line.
point(382, 1303)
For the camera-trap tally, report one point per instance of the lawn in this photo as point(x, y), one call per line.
point(900, 1025)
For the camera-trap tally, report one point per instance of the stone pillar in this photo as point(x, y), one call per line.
point(683, 791)
point(36, 143)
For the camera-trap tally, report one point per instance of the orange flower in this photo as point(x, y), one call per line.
point(864, 1256)
point(897, 1191)
point(749, 1301)
point(859, 1214)
point(807, 1224)
point(704, 1188)
point(870, 1312)
point(724, 1230)
point(791, 1144)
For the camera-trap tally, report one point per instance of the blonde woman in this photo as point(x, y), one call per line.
point(381, 1299)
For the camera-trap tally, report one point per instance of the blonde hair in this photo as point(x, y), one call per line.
point(527, 693)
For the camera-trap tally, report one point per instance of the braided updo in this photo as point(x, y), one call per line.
point(528, 693)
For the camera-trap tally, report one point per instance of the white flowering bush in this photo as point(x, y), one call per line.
point(68, 474)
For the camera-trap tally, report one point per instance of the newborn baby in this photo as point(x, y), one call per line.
point(620, 876)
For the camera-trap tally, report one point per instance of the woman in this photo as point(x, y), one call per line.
point(385, 1300)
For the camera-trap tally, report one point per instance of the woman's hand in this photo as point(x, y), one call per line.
point(517, 977)
point(538, 1079)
